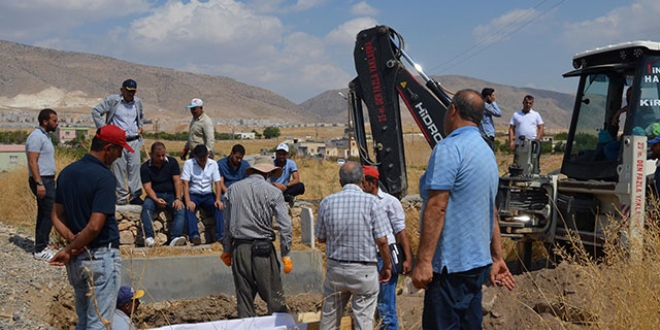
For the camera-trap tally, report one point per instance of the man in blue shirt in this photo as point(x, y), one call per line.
point(289, 182)
point(232, 168)
point(460, 237)
point(487, 127)
point(84, 214)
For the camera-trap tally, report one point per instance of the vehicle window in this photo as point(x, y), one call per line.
point(647, 116)
point(591, 117)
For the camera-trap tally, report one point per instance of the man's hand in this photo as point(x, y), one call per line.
point(385, 275)
point(161, 203)
point(512, 145)
point(281, 187)
point(500, 275)
point(177, 204)
point(61, 258)
point(422, 275)
point(184, 152)
point(41, 191)
point(191, 206)
point(219, 205)
point(407, 267)
point(226, 258)
point(288, 264)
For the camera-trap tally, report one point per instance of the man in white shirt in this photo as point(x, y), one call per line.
point(199, 177)
point(525, 123)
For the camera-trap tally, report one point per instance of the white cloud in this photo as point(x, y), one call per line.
point(346, 32)
point(278, 6)
point(498, 28)
point(363, 9)
point(302, 5)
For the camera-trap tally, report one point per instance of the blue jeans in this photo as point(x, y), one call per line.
point(386, 310)
point(149, 208)
point(205, 201)
point(44, 208)
point(98, 269)
point(453, 301)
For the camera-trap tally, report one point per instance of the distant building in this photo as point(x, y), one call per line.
point(69, 133)
point(12, 156)
point(244, 136)
point(341, 148)
point(310, 148)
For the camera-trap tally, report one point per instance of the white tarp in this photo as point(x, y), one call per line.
point(277, 321)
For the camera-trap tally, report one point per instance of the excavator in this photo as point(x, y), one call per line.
point(606, 173)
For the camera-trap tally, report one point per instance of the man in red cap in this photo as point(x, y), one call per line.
point(386, 307)
point(84, 214)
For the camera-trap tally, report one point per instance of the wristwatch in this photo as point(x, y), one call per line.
point(180, 199)
point(40, 182)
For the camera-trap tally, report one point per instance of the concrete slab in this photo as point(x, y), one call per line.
point(307, 226)
point(191, 277)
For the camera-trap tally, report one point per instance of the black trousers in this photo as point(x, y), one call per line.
point(44, 223)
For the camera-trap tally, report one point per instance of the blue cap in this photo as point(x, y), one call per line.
point(126, 294)
point(129, 85)
point(654, 140)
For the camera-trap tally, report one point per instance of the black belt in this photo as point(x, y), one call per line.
point(112, 245)
point(364, 263)
point(239, 241)
point(132, 138)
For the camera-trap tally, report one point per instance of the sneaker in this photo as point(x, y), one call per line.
point(45, 254)
point(178, 241)
point(290, 199)
point(136, 201)
point(197, 240)
point(149, 242)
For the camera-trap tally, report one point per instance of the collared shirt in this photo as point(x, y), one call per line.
point(126, 117)
point(200, 179)
point(526, 124)
point(395, 214)
point(160, 177)
point(201, 132)
point(465, 166)
point(250, 205)
point(230, 174)
point(39, 141)
point(350, 221)
point(121, 321)
point(490, 110)
point(288, 168)
point(84, 187)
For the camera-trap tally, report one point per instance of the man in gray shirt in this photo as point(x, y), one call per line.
point(41, 170)
point(201, 129)
point(124, 110)
point(250, 205)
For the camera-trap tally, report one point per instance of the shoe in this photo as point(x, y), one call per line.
point(45, 254)
point(289, 199)
point(136, 201)
point(149, 242)
point(196, 240)
point(178, 241)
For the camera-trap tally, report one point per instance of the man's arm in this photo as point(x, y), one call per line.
point(499, 273)
point(99, 111)
point(80, 241)
point(178, 192)
point(493, 110)
point(512, 138)
point(222, 185)
point(539, 133)
point(209, 135)
point(402, 239)
point(186, 196)
point(284, 222)
point(433, 221)
point(295, 178)
point(58, 216)
point(33, 166)
point(384, 250)
point(218, 194)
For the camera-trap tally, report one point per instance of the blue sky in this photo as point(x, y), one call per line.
point(300, 48)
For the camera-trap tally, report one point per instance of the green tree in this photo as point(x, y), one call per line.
point(257, 135)
point(271, 132)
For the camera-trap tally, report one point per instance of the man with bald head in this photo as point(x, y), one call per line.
point(460, 243)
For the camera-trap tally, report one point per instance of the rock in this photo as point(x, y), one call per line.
point(488, 300)
point(124, 225)
point(161, 238)
point(158, 226)
point(15, 317)
point(126, 238)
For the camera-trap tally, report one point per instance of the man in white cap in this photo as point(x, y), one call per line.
point(250, 205)
point(289, 182)
point(200, 131)
point(128, 301)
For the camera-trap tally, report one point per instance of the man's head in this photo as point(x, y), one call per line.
point(196, 107)
point(48, 120)
point(351, 172)
point(158, 153)
point(370, 183)
point(108, 143)
point(466, 109)
point(237, 154)
point(201, 154)
point(654, 144)
point(281, 153)
point(264, 166)
point(488, 94)
point(528, 103)
point(128, 89)
point(128, 300)
point(628, 94)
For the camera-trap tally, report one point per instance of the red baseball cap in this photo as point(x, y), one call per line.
point(370, 171)
point(115, 135)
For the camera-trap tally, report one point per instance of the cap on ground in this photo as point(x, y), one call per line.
point(370, 171)
point(113, 134)
point(194, 103)
point(264, 165)
point(282, 146)
point(126, 294)
point(129, 85)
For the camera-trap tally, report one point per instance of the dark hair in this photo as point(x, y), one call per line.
point(469, 104)
point(350, 172)
point(44, 115)
point(238, 148)
point(370, 178)
point(528, 97)
point(97, 143)
point(157, 145)
point(487, 92)
point(200, 151)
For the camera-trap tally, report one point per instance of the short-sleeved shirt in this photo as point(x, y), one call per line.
point(160, 177)
point(395, 214)
point(350, 221)
point(289, 167)
point(463, 164)
point(525, 124)
point(230, 174)
point(200, 179)
point(39, 141)
point(84, 187)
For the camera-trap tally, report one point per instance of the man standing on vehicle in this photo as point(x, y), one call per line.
point(124, 110)
point(248, 245)
point(460, 237)
point(84, 214)
point(232, 168)
point(386, 311)
point(353, 225)
point(161, 180)
point(289, 182)
point(41, 170)
point(201, 130)
point(487, 127)
point(525, 123)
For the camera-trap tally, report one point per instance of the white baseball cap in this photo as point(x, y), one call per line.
point(283, 146)
point(195, 103)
